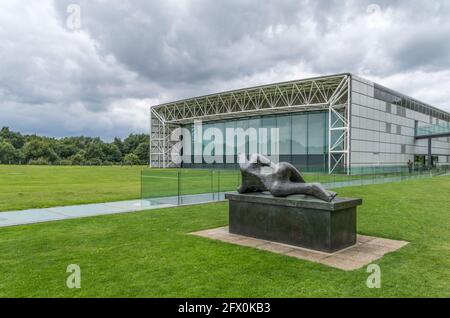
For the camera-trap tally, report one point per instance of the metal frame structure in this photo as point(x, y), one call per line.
point(339, 127)
point(328, 93)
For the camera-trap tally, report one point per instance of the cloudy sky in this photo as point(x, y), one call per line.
point(98, 75)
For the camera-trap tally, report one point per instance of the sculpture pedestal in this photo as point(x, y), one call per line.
point(298, 220)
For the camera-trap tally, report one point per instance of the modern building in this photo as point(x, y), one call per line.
point(335, 123)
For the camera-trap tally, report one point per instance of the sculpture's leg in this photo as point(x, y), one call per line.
point(320, 192)
point(315, 189)
point(286, 171)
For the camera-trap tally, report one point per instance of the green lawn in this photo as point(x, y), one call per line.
point(24, 187)
point(151, 254)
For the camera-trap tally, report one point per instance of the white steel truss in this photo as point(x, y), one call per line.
point(339, 128)
point(323, 93)
point(160, 143)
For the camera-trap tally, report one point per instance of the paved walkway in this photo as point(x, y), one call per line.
point(367, 249)
point(12, 218)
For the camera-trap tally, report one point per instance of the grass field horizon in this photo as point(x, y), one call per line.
point(30, 187)
point(27, 186)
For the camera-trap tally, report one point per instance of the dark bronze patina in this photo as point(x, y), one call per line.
point(259, 174)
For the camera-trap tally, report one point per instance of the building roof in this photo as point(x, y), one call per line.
point(297, 95)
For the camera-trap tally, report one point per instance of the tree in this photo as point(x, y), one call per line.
point(39, 149)
point(14, 138)
point(78, 159)
point(65, 162)
point(67, 150)
point(94, 151)
point(142, 151)
point(95, 162)
point(39, 162)
point(111, 153)
point(8, 153)
point(18, 148)
point(118, 142)
point(20, 157)
point(132, 142)
point(131, 159)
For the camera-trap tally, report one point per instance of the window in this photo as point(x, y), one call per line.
point(388, 108)
point(403, 149)
point(388, 128)
point(399, 130)
point(269, 123)
point(299, 134)
point(316, 133)
point(284, 128)
point(401, 111)
point(300, 140)
point(255, 123)
point(391, 97)
point(230, 144)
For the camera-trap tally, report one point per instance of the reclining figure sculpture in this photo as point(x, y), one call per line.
point(259, 174)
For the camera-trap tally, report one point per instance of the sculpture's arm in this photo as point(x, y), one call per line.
point(297, 176)
point(255, 158)
point(265, 162)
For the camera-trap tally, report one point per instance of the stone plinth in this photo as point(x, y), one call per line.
point(297, 220)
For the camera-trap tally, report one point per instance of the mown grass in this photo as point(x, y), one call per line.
point(25, 187)
point(151, 253)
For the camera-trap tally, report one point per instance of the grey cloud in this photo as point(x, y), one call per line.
point(202, 40)
point(130, 54)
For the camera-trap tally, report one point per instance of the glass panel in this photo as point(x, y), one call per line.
point(230, 144)
point(316, 133)
point(205, 142)
point(254, 123)
point(269, 123)
point(299, 140)
point(243, 123)
point(158, 183)
point(185, 150)
point(284, 126)
point(219, 147)
point(316, 141)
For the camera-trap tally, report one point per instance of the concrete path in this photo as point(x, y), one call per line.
point(12, 218)
point(75, 211)
point(367, 249)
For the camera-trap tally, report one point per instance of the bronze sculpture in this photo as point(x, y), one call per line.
point(259, 174)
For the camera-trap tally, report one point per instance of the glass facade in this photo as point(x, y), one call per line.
point(302, 140)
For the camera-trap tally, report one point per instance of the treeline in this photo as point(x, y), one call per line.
point(16, 148)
